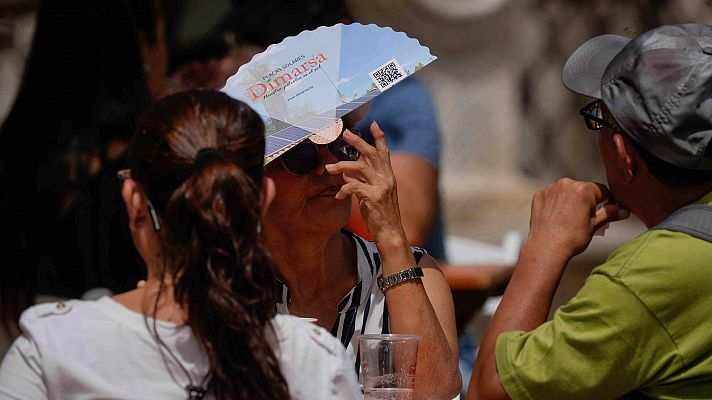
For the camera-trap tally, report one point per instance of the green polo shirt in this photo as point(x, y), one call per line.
point(641, 327)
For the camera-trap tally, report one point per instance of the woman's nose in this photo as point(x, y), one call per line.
point(325, 157)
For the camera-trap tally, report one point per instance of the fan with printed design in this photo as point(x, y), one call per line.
point(302, 86)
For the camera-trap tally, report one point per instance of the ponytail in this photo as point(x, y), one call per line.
point(212, 222)
point(199, 157)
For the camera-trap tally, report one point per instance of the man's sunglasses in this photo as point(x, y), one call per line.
point(593, 116)
point(304, 157)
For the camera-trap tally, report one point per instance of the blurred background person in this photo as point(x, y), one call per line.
point(93, 66)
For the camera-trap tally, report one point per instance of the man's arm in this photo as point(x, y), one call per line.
point(525, 306)
point(563, 219)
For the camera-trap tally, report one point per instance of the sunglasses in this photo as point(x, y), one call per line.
point(304, 157)
point(593, 116)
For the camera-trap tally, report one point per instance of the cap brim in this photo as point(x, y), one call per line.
point(584, 69)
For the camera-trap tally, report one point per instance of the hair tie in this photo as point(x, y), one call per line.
point(204, 154)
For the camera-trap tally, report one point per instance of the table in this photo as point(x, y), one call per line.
point(471, 285)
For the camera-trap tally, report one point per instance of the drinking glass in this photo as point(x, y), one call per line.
point(388, 366)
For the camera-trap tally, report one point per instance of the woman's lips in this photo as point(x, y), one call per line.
point(329, 191)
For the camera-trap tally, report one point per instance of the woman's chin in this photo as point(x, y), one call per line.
point(330, 211)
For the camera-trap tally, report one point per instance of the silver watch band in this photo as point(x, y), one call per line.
point(399, 277)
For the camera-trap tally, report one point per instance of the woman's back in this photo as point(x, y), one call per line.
point(101, 349)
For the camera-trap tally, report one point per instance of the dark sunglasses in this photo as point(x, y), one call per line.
point(304, 157)
point(593, 116)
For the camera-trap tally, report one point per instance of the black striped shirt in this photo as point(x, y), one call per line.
point(363, 309)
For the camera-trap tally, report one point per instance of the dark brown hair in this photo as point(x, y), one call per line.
point(209, 208)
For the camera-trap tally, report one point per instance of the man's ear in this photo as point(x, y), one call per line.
point(626, 155)
point(136, 204)
point(269, 190)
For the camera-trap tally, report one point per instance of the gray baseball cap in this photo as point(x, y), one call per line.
point(658, 87)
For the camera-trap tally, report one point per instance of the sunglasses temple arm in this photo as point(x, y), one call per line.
point(154, 217)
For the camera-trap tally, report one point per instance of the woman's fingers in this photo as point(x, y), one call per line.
point(379, 138)
point(374, 155)
point(356, 169)
point(361, 145)
point(357, 188)
point(349, 179)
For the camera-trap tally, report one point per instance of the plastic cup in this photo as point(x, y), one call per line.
point(388, 366)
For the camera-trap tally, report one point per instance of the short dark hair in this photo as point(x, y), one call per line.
point(669, 174)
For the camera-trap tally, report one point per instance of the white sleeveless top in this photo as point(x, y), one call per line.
point(101, 349)
point(363, 309)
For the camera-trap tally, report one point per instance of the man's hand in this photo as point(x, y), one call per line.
point(564, 216)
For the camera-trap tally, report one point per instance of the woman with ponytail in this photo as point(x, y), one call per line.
point(203, 324)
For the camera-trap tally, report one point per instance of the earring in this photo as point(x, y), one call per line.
point(259, 228)
point(154, 217)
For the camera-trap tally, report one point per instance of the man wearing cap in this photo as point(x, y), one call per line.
point(641, 327)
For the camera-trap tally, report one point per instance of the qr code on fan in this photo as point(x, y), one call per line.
point(388, 74)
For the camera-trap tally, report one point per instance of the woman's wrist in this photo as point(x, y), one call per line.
point(395, 253)
point(391, 241)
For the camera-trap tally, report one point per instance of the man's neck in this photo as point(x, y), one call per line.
point(658, 201)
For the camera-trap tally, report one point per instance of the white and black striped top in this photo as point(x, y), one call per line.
point(363, 309)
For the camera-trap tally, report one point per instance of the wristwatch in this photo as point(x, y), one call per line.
point(399, 277)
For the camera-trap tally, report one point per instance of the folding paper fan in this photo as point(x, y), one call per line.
point(303, 86)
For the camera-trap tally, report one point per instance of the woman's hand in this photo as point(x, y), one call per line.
point(371, 180)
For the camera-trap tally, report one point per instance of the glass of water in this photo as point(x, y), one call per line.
point(388, 366)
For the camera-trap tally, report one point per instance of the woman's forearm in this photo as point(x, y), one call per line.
point(412, 312)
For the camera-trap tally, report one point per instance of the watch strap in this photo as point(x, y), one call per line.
point(399, 277)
